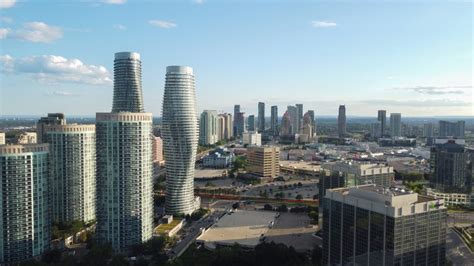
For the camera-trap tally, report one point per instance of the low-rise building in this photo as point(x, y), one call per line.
point(453, 199)
point(252, 138)
point(219, 158)
point(26, 138)
point(263, 161)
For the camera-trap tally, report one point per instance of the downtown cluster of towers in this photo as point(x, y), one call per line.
point(101, 172)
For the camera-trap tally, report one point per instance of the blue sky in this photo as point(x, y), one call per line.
point(413, 57)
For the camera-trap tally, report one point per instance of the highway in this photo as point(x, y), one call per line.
point(456, 251)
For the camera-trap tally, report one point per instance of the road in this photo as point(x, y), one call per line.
point(192, 232)
point(456, 250)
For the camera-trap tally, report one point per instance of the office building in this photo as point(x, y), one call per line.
point(352, 173)
point(235, 124)
point(261, 117)
point(73, 172)
point(227, 126)
point(157, 151)
point(263, 162)
point(451, 166)
point(274, 120)
point(24, 212)
point(180, 138)
point(451, 129)
point(239, 124)
point(127, 83)
point(252, 138)
point(26, 138)
point(382, 119)
point(208, 134)
point(220, 127)
point(286, 125)
point(293, 116)
point(313, 120)
point(375, 225)
point(2, 138)
point(395, 125)
point(341, 121)
point(428, 130)
point(51, 119)
point(299, 118)
point(251, 123)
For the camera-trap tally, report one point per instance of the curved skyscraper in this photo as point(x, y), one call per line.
point(24, 202)
point(180, 138)
point(127, 83)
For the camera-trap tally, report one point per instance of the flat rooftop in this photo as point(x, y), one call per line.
point(208, 173)
point(242, 227)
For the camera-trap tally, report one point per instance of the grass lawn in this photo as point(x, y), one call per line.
point(164, 228)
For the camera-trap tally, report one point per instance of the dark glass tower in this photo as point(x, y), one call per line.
point(127, 83)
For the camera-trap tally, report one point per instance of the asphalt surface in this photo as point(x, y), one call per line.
point(456, 251)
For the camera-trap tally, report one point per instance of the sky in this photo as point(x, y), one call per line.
point(411, 57)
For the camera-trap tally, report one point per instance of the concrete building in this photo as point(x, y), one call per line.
point(453, 199)
point(252, 138)
point(375, 225)
point(395, 125)
point(251, 123)
point(451, 166)
point(382, 119)
point(127, 83)
point(308, 128)
point(274, 120)
point(313, 120)
point(451, 129)
point(51, 119)
point(220, 127)
point(24, 206)
point(341, 121)
point(375, 130)
point(157, 151)
point(261, 117)
point(227, 126)
point(2, 138)
point(26, 138)
point(299, 117)
point(239, 124)
point(293, 116)
point(286, 125)
point(263, 161)
point(428, 130)
point(208, 134)
point(73, 172)
point(235, 124)
point(218, 158)
point(348, 174)
point(180, 138)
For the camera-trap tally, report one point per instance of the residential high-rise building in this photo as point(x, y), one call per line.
point(239, 124)
point(299, 117)
point(375, 225)
point(24, 204)
point(341, 121)
point(180, 139)
point(251, 123)
point(451, 166)
point(308, 125)
point(382, 119)
point(124, 178)
point(375, 130)
point(286, 125)
point(395, 125)
point(261, 117)
point(220, 127)
point(127, 83)
point(347, 174)
point(157, 150)
point(235, 125)
point(451, 129)
point(51, 119)
point(208, 127)
point(2, 138)
point(428, 130)
point(73, 172)
point(26, 138)
point(227, 133)
point(274, 120)
point(293, 115)
point(313, 119)
point(264, 161)
point(252, 138)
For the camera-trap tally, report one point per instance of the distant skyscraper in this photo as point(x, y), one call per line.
point(157, 150)
point(180, 138)
point(313, 119)
point(73, 172)
point(375, 225)
point(261, 117)
point(208, 127)
point(251, 123)
point(234, 124)
point(220, 127)
point(382, 118)
point(285, 129)
point(24, 204)
point(293, 115)
point(51, 119)
point(341, 121)
point(299, 119)
point(239, 124)
point(227, 127)
point(308, 125)
point(395, 125)
point(451, 129)
point(375, 130)
point(127, 83)
point(428, 130)
point(274, 120)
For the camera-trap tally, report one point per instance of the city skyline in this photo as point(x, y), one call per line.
point(45, 67)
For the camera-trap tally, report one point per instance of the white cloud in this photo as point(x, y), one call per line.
point(6, 20)
point(3, 33)
point(53, 69)
point(115, 2)
point(438, 90)
point(38, 32)
point(61, 93)
point(199, 2)
point(7, 3)
point(323, 24)
point(119, 27)
point(162, 24)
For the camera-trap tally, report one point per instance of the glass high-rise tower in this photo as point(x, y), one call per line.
point(180, 138)
point(127, 83)
point(261, 117)
point(341, 121)
point(24, 205)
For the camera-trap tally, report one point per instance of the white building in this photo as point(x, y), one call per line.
point(2, 138)
point(208, 127)
point(252, 138)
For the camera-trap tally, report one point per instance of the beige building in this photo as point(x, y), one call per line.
point(2, 138)
point(158, 151)
point(252, 138)
point(264, 161)
point(26, 138)
point(227, 127)
point(220, 127)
